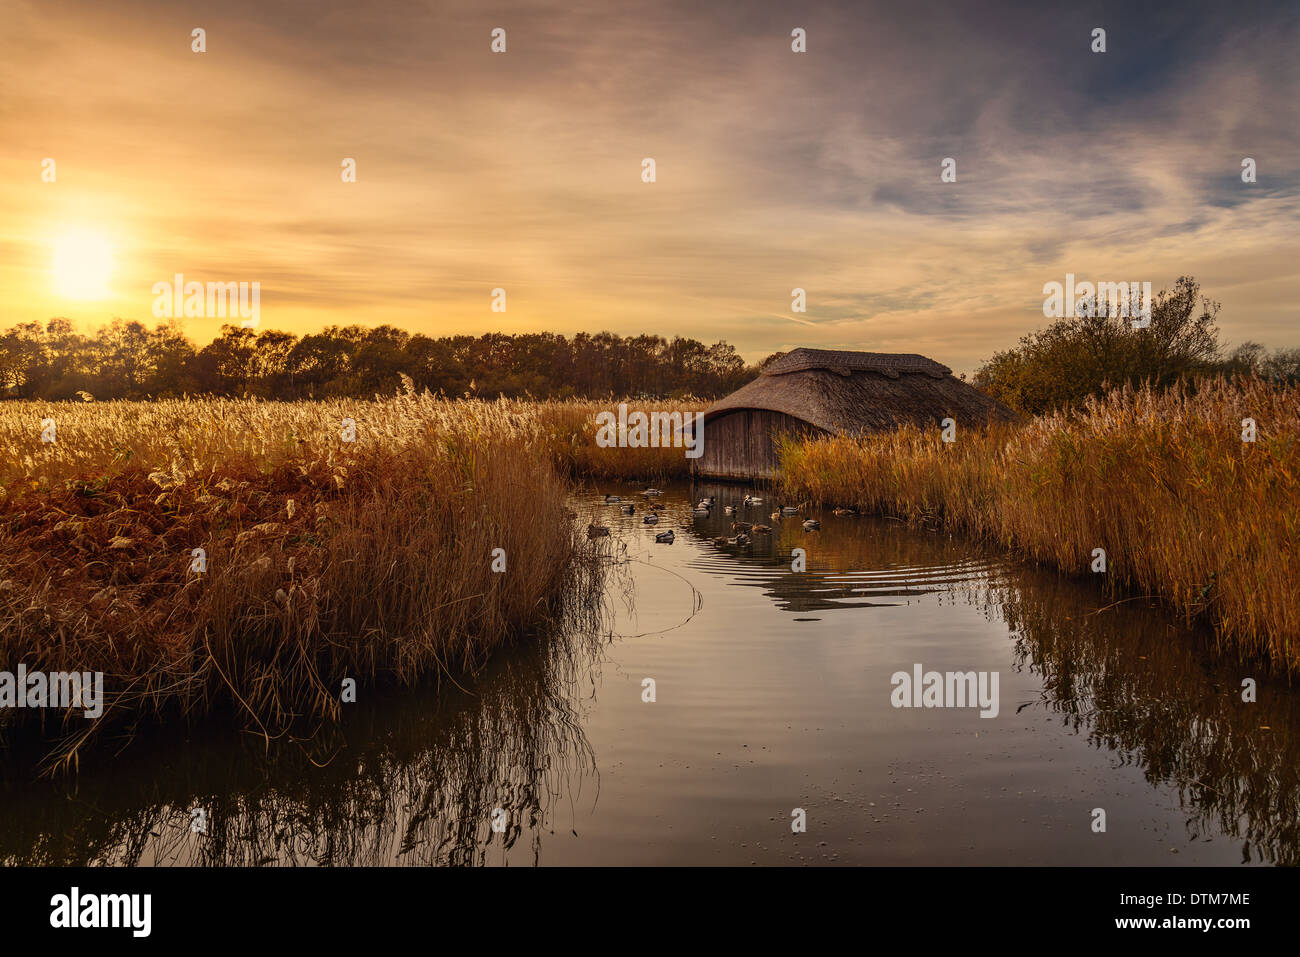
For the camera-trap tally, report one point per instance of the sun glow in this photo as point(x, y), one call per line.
point(83, 265)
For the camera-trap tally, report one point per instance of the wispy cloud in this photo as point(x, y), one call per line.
point(775, 170)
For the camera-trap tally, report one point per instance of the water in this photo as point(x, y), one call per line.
point(772, 693)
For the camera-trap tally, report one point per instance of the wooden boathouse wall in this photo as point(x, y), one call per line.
point(740, 445)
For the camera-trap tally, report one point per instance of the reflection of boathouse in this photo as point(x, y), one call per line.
point(818, 392)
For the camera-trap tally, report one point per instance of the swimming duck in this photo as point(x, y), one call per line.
point(741, 526)
point(761, 529)
point(789, 510)
point(651, 519)
point(611, 499)
point(811, 525)
point(665, 537)
point(651, 492)
point(628, 510)
point(702, 511)
point(729, 509)
point(751, 500)
point(844, 511)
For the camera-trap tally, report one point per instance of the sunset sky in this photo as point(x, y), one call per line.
point(775, 170)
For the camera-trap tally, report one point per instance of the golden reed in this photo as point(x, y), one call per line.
point(322, 559)
point(1184, 508)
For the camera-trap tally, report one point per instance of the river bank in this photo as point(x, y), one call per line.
point(1156, 494)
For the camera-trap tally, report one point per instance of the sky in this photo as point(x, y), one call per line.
point(522, 170)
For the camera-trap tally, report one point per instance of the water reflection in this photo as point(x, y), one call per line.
point(845, 568)
point(418, 776)
point(416, 783)
point(1125, 675)
point(1158, 698)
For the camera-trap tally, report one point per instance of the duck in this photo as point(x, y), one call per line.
point(651, 519)
point(665, 537)
point(844, 511)
point(729, 509)
point(655, 507)
point(741, 526)
point(651, 492)
point(722, 540)
point(752, 500)
point(595, 531)
point(789, 509)
point(761, 529)
point(702, 511)
point(611, 499)
point(708, 500)
point(628, 510)
point(811, 525)
point(742, 540)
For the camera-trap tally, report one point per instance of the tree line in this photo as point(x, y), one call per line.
point(1048, 369)
point(127, 360)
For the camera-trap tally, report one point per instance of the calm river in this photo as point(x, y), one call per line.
point(772, 692)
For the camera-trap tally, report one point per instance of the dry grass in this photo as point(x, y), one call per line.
point(1163, 482)
point(325, 559)
point(568, 431)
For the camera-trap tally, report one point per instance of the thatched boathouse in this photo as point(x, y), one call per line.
point(818, 391)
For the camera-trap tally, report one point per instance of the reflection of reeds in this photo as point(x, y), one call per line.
point(1163, 706)
point(1162, 481)
point(1172, 708)
point(325, 559)
point(417, 783)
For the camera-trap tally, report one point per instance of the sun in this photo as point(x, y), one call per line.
point(83, 265)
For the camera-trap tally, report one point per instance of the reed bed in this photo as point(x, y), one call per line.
point(568, 431)
point(1162, 481)
point(325, 559)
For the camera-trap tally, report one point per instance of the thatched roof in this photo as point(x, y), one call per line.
point(862, 391)
point(891, 365)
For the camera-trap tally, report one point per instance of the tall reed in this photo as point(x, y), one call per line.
point(325, 559)
point(1162, 481)
point(568, 430)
